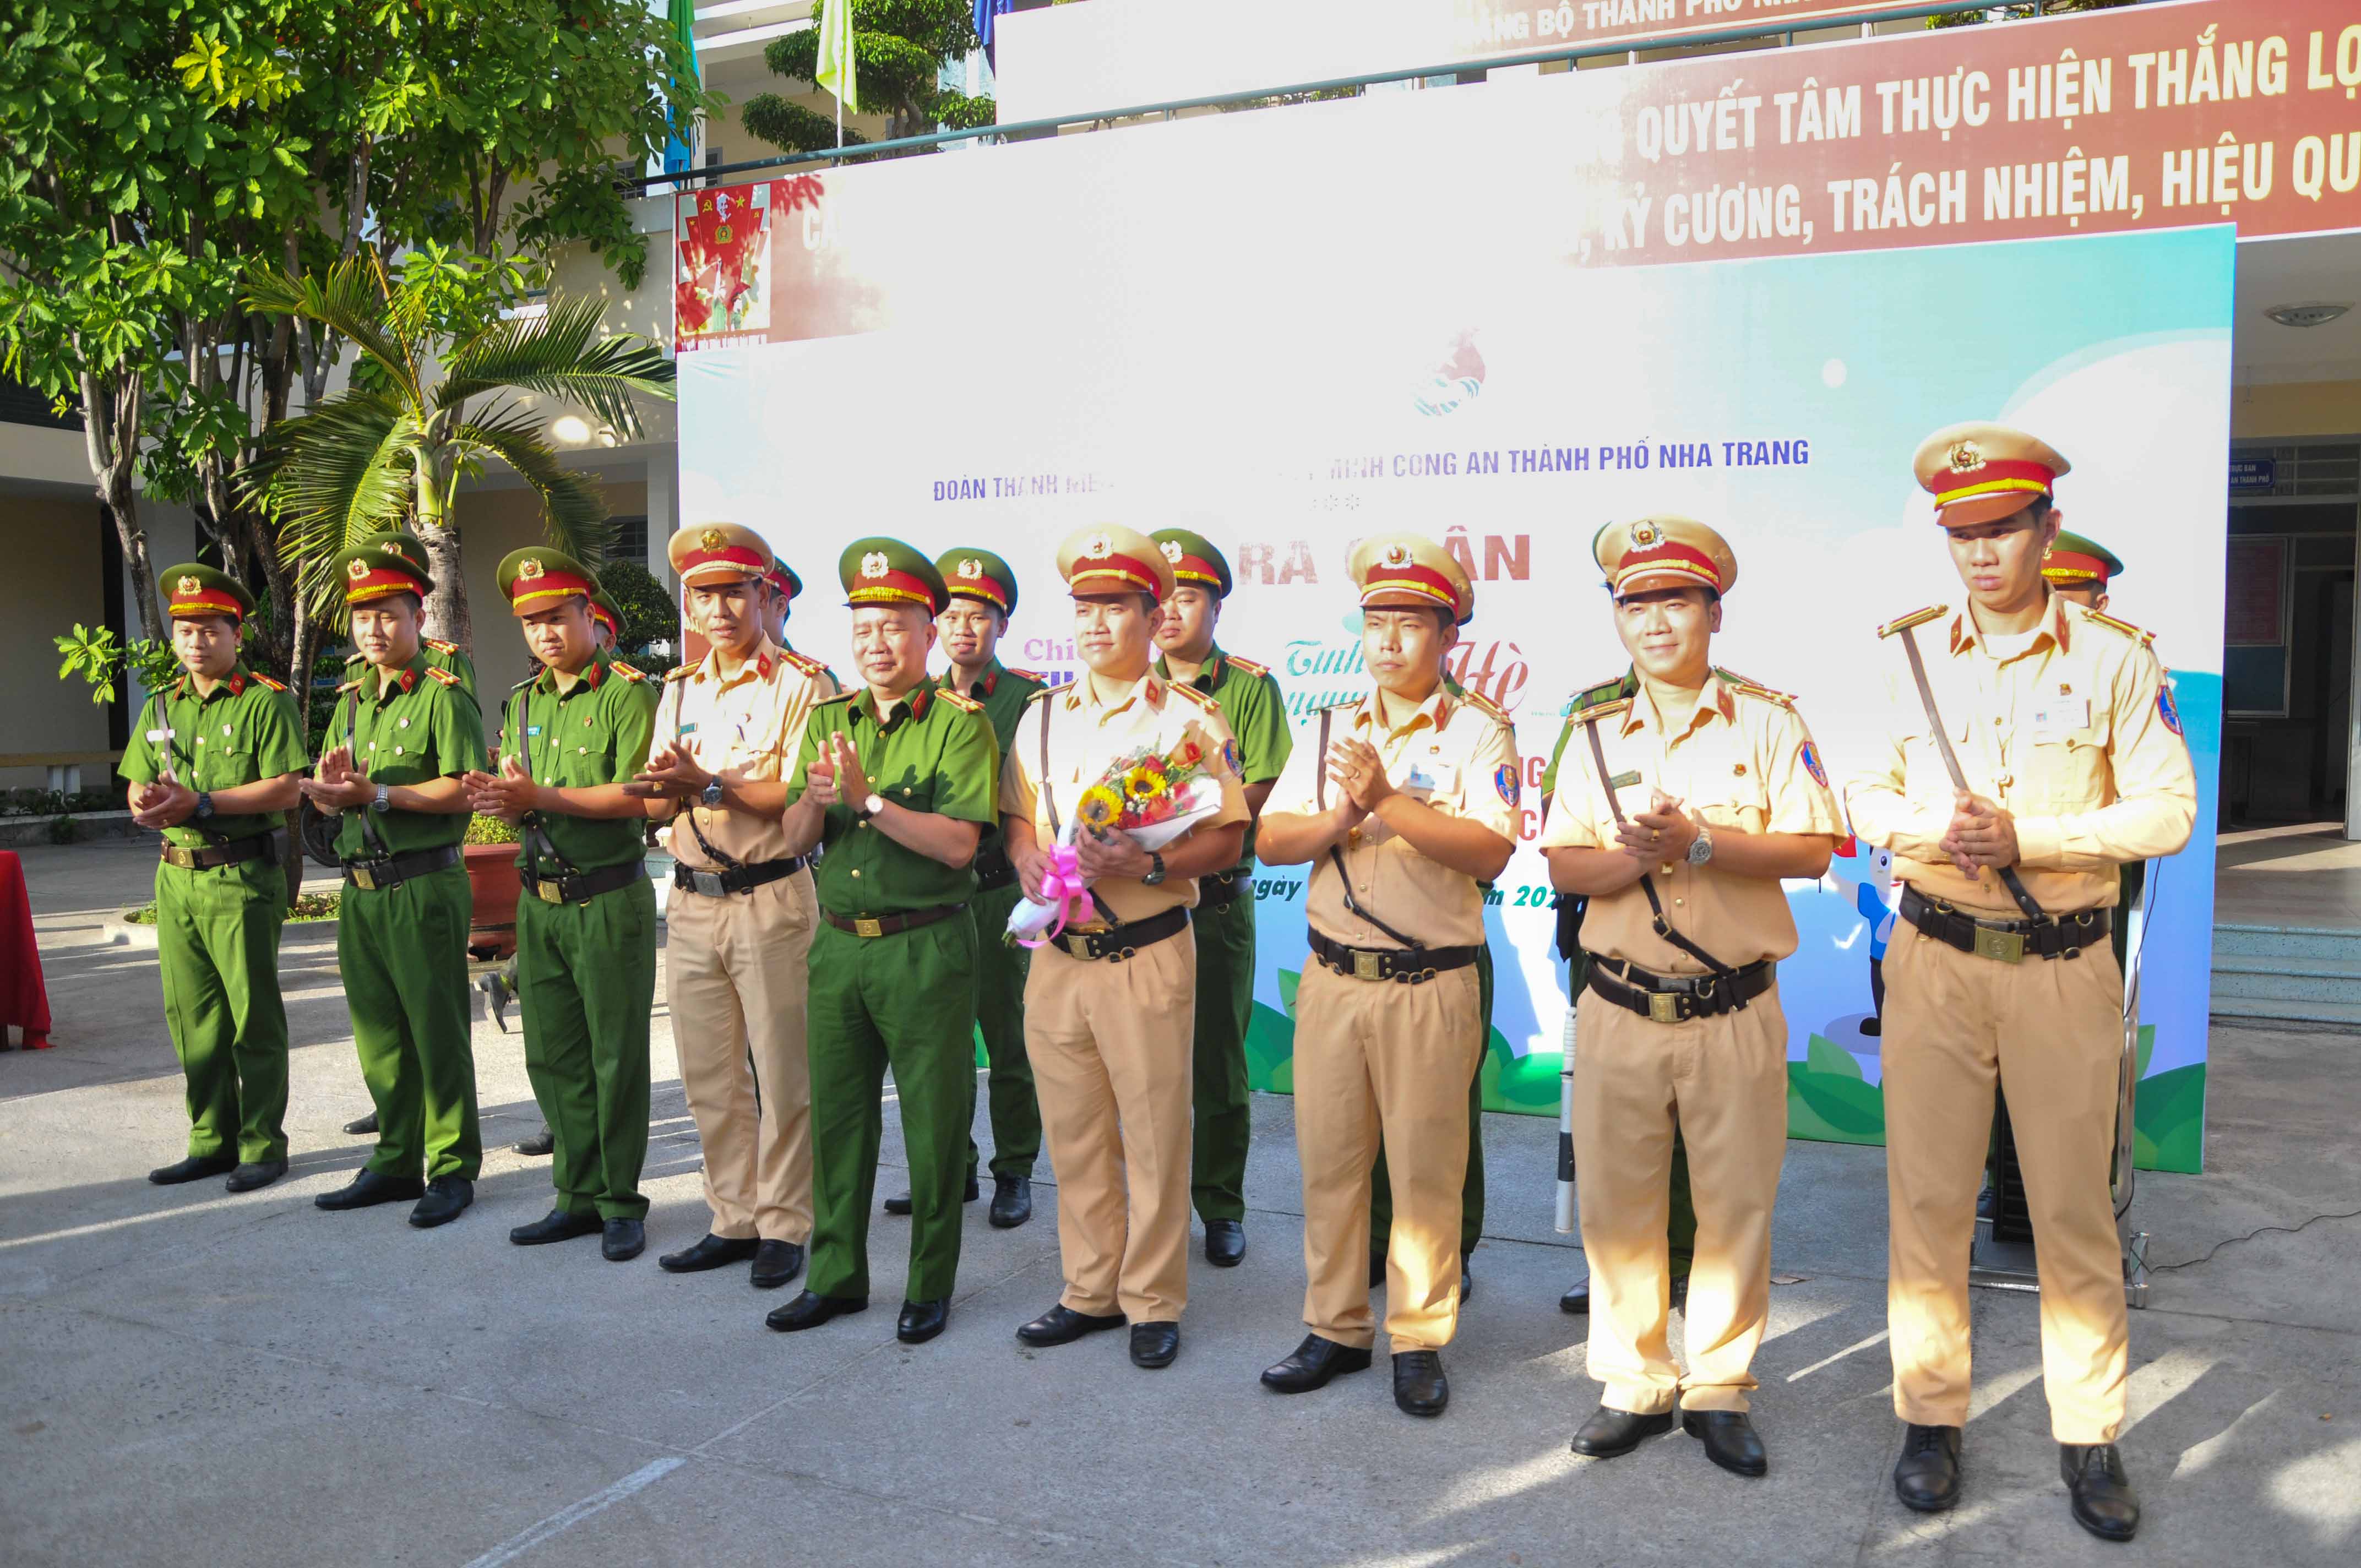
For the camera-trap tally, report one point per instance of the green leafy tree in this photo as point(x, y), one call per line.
point(651, 614)
point(901, 47)
point(391, 449)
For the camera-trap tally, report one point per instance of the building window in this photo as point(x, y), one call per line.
point(631, 540)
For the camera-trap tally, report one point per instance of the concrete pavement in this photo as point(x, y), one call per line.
point(186, 1376)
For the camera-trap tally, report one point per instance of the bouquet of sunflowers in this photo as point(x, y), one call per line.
point(1154, 796)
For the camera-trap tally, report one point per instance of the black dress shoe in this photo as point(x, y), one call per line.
point(1610, 1432)
point(1155, 1344)
point(196, 1168)
point(1926, 1476)
point(1225, 1243)
point(921, 1320)
point(624, 1240)
point(712, 1251)
point(808, 1311)
point(368, 1188)
point(2105, 1503)
point(1731, 1439)
point(557, 1225)
point(900, 1203)
point(446, 1198)
point(1315, 1360)
point(541, 1143)
point(362, 1125)
point(1376, 1269)
point(1420, 1386)
point(1012, 1201)
point(1062, 1325)
point(254, 1174)
point(1577, 1299)
point(775, 1262)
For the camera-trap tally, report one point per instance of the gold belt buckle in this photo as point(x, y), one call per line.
point(1664, 1006)
point(2002, 947)
point(863, 927)
point(1080, 947)
point(551, 892)
point(363, 879)
point(1367, 965)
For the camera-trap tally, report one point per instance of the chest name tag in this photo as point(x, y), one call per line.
point(688, 730)
point(156, 735)
point(1624, 780)
point(2058, 715)
point(1420, 778)
point(532, 728)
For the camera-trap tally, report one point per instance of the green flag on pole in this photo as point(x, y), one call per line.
point(836, 71)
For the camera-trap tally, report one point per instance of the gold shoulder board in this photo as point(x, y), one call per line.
point(1598, 710)
point(1248, 665)
point(679, 673)
point(964, 704)
point(439, 645)
point(1484, 704)
point(1034, 675)
point(1201, 699)
point(1049, 691)
point(446, 676)
point(628, 672)
point(350, 686)
point(266, 680)
point(2138, 634)
point(1915, 618)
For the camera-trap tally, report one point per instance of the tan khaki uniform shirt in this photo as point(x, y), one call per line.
point(1457, 755)
point(2076, 737)
point(1744, 759)
point(749, 726)
point(1085, 736)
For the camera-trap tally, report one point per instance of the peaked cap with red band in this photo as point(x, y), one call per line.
point(979, 574)
point(538, 577)
point(2077, 561)
point(707, 553)
point(1195, 560)
point(1663, 551)
point(194, 590)
point(1109, 558)
point(608, 613)
point(886, 571)
point(1983, 472)
point(1408, 571)
point(783, 577)
point(384, 564)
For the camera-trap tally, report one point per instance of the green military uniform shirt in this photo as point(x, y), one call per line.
point(935, 752)
point(1255, 710)
point(434, 651)
point(1004, 691)
point(410, 726)
point(581, 732)
point(243, 731)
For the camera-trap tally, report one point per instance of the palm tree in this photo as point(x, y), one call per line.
point(391, 449)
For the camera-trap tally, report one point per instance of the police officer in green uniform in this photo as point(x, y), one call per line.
point(442, 656)
point(586, 921)
point(1681, 1230)
point(405, 734)
point(214, 759)
point(983, 597)
point(1250, 702)
point(896, 780)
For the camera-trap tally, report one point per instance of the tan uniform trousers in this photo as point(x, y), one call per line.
point(1375, 1057)
point(736, 975)
point(1112, 1045)
point(1723, 1082)
point(2051, 1032)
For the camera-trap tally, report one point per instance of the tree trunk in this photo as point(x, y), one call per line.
point(446, 606)
point(111, 435)
point(299, 687)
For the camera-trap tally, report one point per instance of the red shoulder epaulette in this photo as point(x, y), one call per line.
point(807, 664)
point(1248, 665)
point(266, 680)
point(1036, 676)
point(438, 672)
point(627, 671)
point(439, 645)
point(964, 704)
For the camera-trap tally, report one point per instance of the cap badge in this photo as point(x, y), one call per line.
point(1966, 456)
point(1396, 554)
point(971, 568)
point(189, 584)
point(530, 568)
point(392, 549)
point(1099, 547)
point(1172, 550)
point(710, 539)
point(873, 563)
point(1644, 535)
point(356, 568)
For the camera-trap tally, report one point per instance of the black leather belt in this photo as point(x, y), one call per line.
point(1117, 943)
point(993, 870)
point(1220, 891)
point(1678, 998)
point(388, 872)
point(236, 852)
point(2006, 941)
point(736, 879)
point(888, 924)
point(582, 886)
point(1403, 966)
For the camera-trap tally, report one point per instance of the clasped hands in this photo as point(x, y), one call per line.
point(1663, 832)
point(507, 795)
point(336, 784)
point(1982, 834)
point(166, 803)
point(835, 776)
point(671, 774)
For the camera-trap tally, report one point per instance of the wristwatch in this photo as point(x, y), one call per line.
point(872, 805)
point(204, 804)
point(711, 794)
point(1701, 848)
point(384, 798)
point(1155, 877)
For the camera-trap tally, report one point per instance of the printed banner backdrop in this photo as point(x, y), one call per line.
point(1290, 331)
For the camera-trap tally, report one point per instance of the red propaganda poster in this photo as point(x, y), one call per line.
point(722, 287)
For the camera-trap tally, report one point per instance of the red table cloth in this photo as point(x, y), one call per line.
point(24, 999)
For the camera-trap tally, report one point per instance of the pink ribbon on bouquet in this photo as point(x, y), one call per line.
point(1063, 890)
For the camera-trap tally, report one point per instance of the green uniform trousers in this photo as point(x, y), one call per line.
point(1226, 972)
point(217, 943)
point(404, 951)
point(1000, 970)
point(586, 982)
point(906, 999)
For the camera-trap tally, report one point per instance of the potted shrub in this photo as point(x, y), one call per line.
point(492, 851)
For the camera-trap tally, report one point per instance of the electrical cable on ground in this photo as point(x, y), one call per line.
point(2250, 1235)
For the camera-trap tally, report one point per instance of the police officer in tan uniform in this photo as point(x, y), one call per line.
point(1404, 804)
point(742, 909)
point(1109, 1005)
point(1683, 799)
point(2031, 748)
